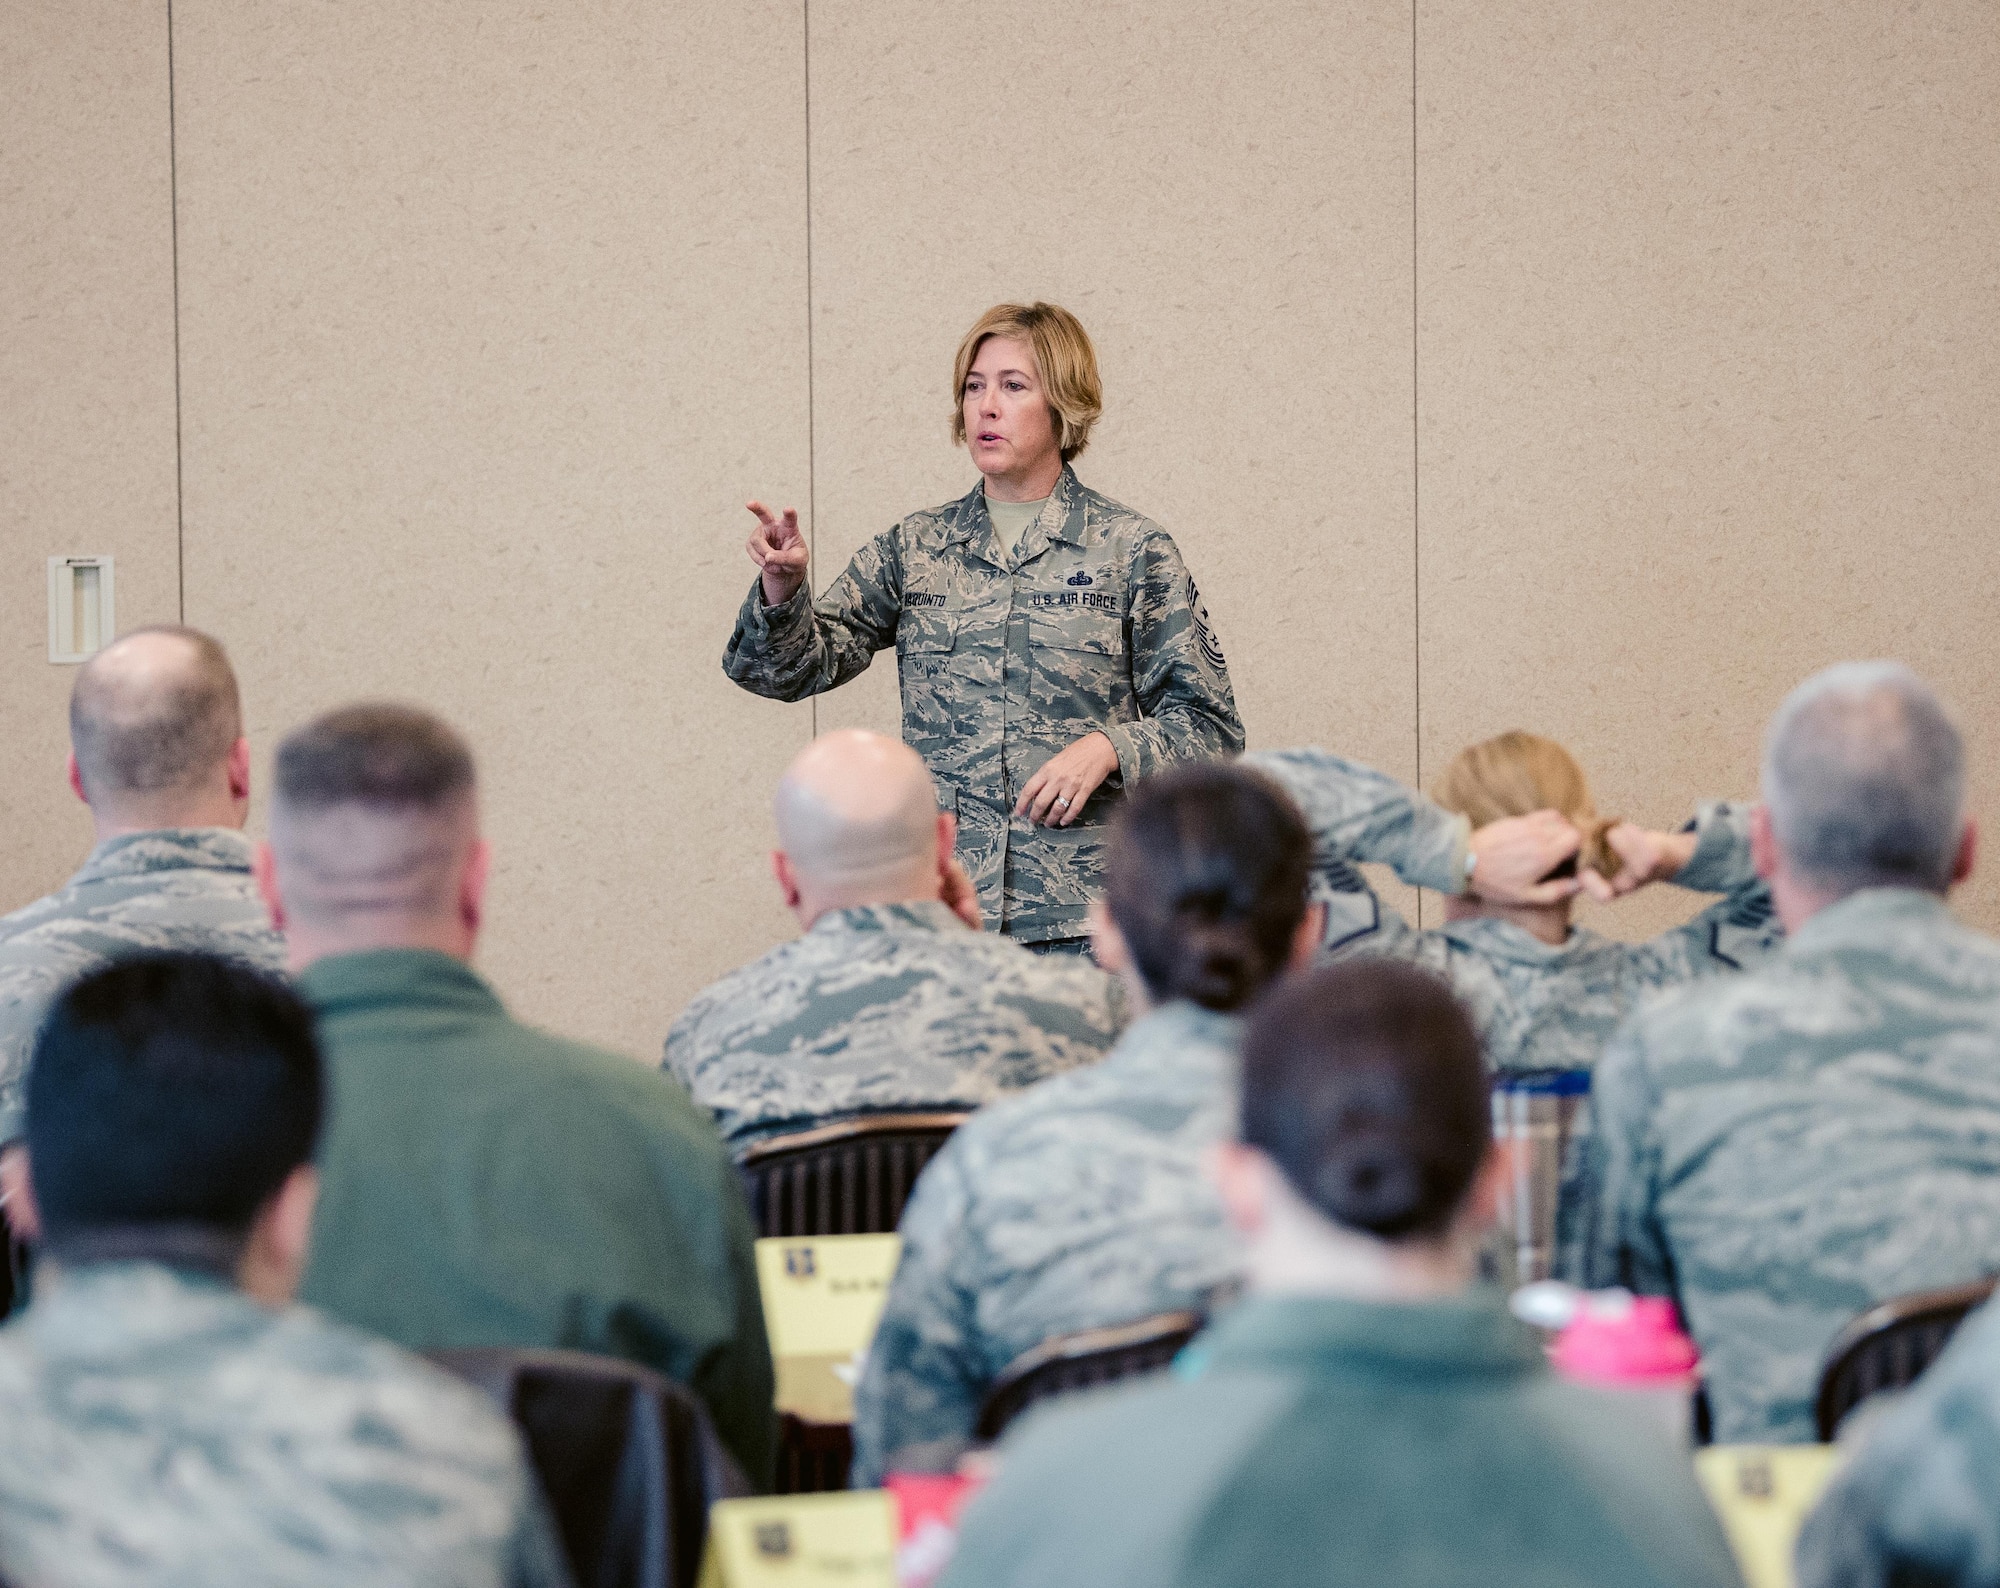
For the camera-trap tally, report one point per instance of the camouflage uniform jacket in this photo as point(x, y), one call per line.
point(166, 1431)
point(1539, 1006)
point(1079, 1204)
point(181, 888)
point(1786, 1148)
point(1093, 624)
point(885, 1006)
point(1919, 1501)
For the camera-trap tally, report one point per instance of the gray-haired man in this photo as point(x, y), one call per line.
point(1785, 1148)
point(158, 754)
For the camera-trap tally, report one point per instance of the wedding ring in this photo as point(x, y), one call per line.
point(1060, 800)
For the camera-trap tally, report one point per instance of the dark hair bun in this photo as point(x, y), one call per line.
point(1207, 881)
point(1218, 965)
point(1371, 1180)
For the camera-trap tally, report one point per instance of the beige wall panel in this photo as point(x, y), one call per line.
point(1709, 392)
point(1223, 196)
point(86, 375)
point(489, 313)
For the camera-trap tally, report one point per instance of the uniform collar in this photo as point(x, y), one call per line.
point(396, 978)
point(1471, 1335)
point(1870, 917)
point(1177, 1031)
point(1064, 519)
point(911, 915)
point(167, 849)
point(1492, 938)
point(115, 1310)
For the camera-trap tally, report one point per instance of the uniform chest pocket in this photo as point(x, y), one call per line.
point(1097, 634)
point(926, 631)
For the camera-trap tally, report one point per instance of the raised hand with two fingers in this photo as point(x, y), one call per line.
point(780, 551)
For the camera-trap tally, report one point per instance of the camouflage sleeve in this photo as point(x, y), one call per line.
point(1358, 814)
point(803, 646)
point(923, 1384)
point(538, 1558)
point(1178, 671)
point(1623, 1244)
point(1915, 1502)
point(1737, 930)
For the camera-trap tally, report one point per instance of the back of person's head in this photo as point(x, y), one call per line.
point(153, 718)
point(1864, 778)
point(1517, 774)
point(1363, 1083)
point(373, 816)
point(1206, 881)
point(857, 814)
point(170, 1089)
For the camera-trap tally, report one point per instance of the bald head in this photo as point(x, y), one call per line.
point(373, 824)
point(153, 719)
point(858, 818)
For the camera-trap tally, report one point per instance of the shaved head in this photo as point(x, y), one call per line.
point(858, 812)
point(153, 716)
point(374, 817)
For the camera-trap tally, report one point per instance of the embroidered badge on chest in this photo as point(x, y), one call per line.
point(1079, 578)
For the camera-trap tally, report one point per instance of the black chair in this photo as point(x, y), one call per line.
point(627, 1459)
point(851, 1177)
point(1889, 1345)
point(813, 1458)
point(1078, 1361)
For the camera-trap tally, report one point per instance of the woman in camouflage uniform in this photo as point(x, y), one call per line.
point(1051, 645)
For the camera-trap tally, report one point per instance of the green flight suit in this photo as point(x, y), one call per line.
point(1091, 623)
point(484, 1183)
point(1309, 1440)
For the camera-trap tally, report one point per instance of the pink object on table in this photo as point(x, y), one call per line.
point(927, 1507)
point(1633, 1342)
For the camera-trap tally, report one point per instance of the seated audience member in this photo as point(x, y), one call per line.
point(169, 1417)
point(1082, 1202)
point(483, 1183)
point(1365, 1415)
point(1783, 1149)
point(1919, 1501)
point(888, 1001)
point(158, 754)
point(1511, 837)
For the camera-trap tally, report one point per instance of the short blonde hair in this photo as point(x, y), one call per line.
point(1064, 360)
point(1516, 773)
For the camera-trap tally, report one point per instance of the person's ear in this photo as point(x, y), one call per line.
point(1107, 943)
point(75, 775)
point(788, 878)
point(947, 841)
point(472, 885)
point(17, 1194)
point(239, 770)
point(1240, 1177)
point(1492, 1183)
point(1307, 938)
point(274, 1257)
point(264, 867)
point(1763, 842)
point(1968, 852)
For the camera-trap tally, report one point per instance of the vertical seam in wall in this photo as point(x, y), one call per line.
point(1416, 474)
point(812, 441)
point(174, 240)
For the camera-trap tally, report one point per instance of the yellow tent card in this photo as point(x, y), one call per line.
point(1763, 1493)
point(801, 1540)
point(822, 1299)
point(823, 1294)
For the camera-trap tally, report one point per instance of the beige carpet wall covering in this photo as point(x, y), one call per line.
point(1595, 369)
